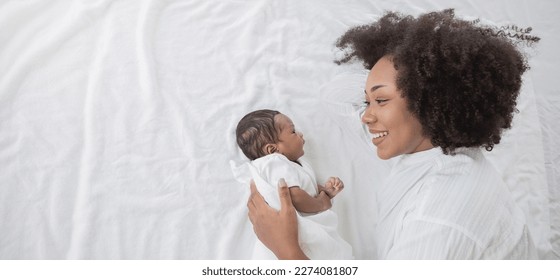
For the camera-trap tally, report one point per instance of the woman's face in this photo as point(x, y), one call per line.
point(395, 130)
point(290, 141)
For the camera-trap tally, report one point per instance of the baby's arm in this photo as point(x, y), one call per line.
point(305, 203)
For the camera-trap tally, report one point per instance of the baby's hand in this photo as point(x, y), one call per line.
point(333, 186)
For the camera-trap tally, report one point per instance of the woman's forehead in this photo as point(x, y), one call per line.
point(383, 72)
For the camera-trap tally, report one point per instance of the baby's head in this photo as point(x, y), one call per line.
point(264, 132)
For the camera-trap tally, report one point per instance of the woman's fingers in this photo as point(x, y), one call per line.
point(255, 203)
point(284, 194)
point(256, 198)
point(250, 203)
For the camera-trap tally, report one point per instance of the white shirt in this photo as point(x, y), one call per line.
point(437, 206)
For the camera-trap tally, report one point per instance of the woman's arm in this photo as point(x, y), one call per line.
point(305, 203)
point(277, 230)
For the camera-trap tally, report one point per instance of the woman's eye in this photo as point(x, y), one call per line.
point(379, 101)
point(366, 103)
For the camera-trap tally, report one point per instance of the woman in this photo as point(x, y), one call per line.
point(439, 89)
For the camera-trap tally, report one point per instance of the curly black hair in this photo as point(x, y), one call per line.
point(255, 130)
point(460, 79)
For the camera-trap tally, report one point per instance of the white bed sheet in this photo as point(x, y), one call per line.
point(117, 121)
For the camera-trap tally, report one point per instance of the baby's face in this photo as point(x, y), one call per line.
point(290, 141)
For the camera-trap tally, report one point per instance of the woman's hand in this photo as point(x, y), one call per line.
point(277, 230)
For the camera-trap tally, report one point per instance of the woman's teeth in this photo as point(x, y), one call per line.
point(380, 134)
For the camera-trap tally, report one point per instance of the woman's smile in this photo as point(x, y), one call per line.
point(378, 136)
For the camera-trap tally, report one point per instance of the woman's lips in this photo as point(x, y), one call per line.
point(378, 136)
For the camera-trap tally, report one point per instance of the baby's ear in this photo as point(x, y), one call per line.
point(270, 149)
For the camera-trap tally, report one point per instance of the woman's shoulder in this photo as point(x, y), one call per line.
point(466, 192)
point(463, 165)
point(467, 171)
point(462, 184)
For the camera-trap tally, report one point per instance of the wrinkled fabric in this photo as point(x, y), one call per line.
point(117, 121)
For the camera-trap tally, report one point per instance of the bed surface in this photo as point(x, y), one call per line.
point(117, 121)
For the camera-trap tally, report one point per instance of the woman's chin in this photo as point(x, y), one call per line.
point(382, 155)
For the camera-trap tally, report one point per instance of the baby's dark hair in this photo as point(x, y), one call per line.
point(460, 79)
point(255, 130)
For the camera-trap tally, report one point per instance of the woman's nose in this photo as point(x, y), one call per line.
point(368, 117)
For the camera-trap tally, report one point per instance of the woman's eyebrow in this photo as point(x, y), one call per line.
point(373, 88)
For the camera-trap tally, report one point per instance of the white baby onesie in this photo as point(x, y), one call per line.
point(318, 236)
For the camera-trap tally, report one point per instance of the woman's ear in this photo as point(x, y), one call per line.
point(270, 149)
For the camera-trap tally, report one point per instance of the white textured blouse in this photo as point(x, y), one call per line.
point(437, 206)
